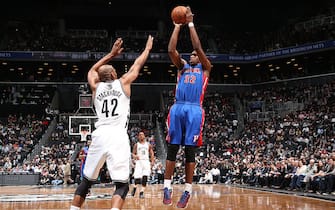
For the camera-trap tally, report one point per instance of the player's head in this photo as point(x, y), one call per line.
point(107, 73)
point(141, 136)
point(194, 59)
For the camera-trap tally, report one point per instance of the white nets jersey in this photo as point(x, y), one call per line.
point(110, 140)
point(111, 105)
point(143, 151)
point(142, 166)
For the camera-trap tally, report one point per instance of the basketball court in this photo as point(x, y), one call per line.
point(204, 197)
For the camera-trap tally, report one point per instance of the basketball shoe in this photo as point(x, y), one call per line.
point(182, 203)
point(167, 196)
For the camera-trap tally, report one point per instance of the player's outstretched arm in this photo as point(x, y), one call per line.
point(207, 66)
point(134, 70)
point(92, 76)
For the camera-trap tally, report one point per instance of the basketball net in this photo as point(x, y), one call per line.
point(83, 135)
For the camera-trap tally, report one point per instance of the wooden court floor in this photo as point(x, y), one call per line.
point(204, 197)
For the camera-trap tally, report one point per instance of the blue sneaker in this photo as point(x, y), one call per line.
point(167, 196)
point(182, 203)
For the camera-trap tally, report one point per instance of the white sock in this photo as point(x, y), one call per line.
point(74, 208)
point(115, 209)
point(188, 187)
point(167, 183)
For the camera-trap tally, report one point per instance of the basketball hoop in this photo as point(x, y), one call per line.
point(83, 135)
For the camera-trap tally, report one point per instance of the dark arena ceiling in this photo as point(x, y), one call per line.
point(232, 15)
point(238, 16)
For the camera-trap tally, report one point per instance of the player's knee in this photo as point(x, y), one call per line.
point(121, 189)
point(83, 187)
point(144, 180)
point(172, 152)
point(137, 181)
point(190, 154)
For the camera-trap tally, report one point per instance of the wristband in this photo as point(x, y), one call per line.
point(190, 24)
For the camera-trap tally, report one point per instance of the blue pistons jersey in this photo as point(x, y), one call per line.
point(186, 116)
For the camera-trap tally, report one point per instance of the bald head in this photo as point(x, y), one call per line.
point(106, 73)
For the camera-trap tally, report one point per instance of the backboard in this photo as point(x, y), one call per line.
point(79, 123)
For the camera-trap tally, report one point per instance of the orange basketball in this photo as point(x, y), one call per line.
point(178, 14)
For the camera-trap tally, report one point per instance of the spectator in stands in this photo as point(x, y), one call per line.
point(290, 170)
point(207, 178)
point(216, 174)
point(328, 179)
point(317, 176)
point(45, 179)
point(310, 171)
point(67, 172)
point(298, 177)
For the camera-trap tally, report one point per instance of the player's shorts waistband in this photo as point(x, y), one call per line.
point(188, 103)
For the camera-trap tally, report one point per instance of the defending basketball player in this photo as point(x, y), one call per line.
point(144, 157)
point(82, 156)
point(110, 141)
point(186, 116)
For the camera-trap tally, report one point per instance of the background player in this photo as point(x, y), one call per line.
point(82, 156)
point(144, 157)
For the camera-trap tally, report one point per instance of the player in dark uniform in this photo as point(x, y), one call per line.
point(186, 116)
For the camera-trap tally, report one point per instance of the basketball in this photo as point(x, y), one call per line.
point(178, 14)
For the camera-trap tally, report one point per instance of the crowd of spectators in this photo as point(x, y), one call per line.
point(292, 150)
point(18, 136)
point(275, 152)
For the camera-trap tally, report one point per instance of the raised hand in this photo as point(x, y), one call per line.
point(117, 47)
